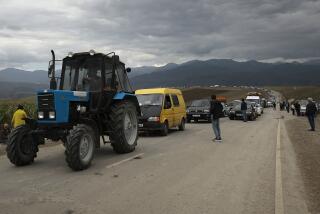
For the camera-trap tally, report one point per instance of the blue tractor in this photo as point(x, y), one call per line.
point(90, 100)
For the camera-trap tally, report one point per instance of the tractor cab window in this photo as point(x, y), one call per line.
point(122, 79)
point(108, 77)
point(89, 78)
point(69, 77)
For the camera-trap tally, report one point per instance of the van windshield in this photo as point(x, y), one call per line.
point(150, 99)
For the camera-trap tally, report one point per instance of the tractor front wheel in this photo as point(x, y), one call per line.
point(80, 146)
point(22, 147)
point(124, 127)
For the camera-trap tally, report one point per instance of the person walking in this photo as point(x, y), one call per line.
point(19, 117)
point(216, 111)
point(311, 111)
point(244, 108)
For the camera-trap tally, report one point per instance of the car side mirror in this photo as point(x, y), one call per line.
point(128, 70)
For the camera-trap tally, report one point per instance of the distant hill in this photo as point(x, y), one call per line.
point(230, 72)
point(13, 90)
point(191, 73)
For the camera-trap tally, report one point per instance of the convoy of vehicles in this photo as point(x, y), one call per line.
point(162, 109)
point(94, 99)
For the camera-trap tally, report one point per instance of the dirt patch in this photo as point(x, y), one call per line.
point(307, 148)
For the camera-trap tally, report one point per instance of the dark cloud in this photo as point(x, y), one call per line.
point(147, 32)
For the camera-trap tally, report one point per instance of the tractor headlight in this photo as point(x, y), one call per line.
point(52, 115)
point(154, 119)
point(40, 115)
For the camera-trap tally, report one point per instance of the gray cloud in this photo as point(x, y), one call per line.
point(147, 32)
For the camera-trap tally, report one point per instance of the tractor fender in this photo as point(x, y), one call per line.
point(120, 96)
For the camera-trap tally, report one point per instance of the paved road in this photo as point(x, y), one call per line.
point(184, 172)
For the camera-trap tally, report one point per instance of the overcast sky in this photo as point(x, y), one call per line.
point(155, 32)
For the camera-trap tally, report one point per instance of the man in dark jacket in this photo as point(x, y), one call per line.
point(216, 111)
point(311, 111)
point(244, 108)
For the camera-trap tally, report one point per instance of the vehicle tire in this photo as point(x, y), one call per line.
point(80, 147)
point(231, 118)
point(124, 127)
point(22, 148)
point(165, 129)
point(182, 125)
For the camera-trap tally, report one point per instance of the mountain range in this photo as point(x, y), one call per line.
point(191, 73)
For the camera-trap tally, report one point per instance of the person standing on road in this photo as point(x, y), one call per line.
point(287, 106)
point(311, 111)
point(216, 111)
point(19, 117)
point(274, 105)
point(292, 109)
point(244, 108)
point(297, 106)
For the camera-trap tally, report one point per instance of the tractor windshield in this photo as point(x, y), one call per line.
point(82, 75)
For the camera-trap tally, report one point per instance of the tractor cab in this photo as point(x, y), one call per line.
point(93, 72)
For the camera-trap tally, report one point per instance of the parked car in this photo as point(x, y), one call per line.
point(162, 109)
point(236, 113)
point(199, 110)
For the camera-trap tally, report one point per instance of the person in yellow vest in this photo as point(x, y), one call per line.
point(19, 117)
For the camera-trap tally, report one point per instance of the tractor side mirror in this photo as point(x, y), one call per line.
point(128, 70)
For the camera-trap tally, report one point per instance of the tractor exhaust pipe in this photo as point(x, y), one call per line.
point(51, 72)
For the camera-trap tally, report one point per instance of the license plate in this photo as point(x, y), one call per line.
point(196, 115)
point(140, 125)
point(239, 115)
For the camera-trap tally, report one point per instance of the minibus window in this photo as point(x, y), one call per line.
point(175, 100)
point(167, 102)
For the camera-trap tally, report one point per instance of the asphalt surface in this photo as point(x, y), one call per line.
point(184, 172)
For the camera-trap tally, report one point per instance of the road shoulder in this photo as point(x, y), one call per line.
point(293, 188)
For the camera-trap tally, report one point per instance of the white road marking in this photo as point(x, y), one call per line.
point(123, 161)
point(279, 209)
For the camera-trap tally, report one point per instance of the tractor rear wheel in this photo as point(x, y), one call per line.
point(124, 127)
point(22, 147)
point(80, 147)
